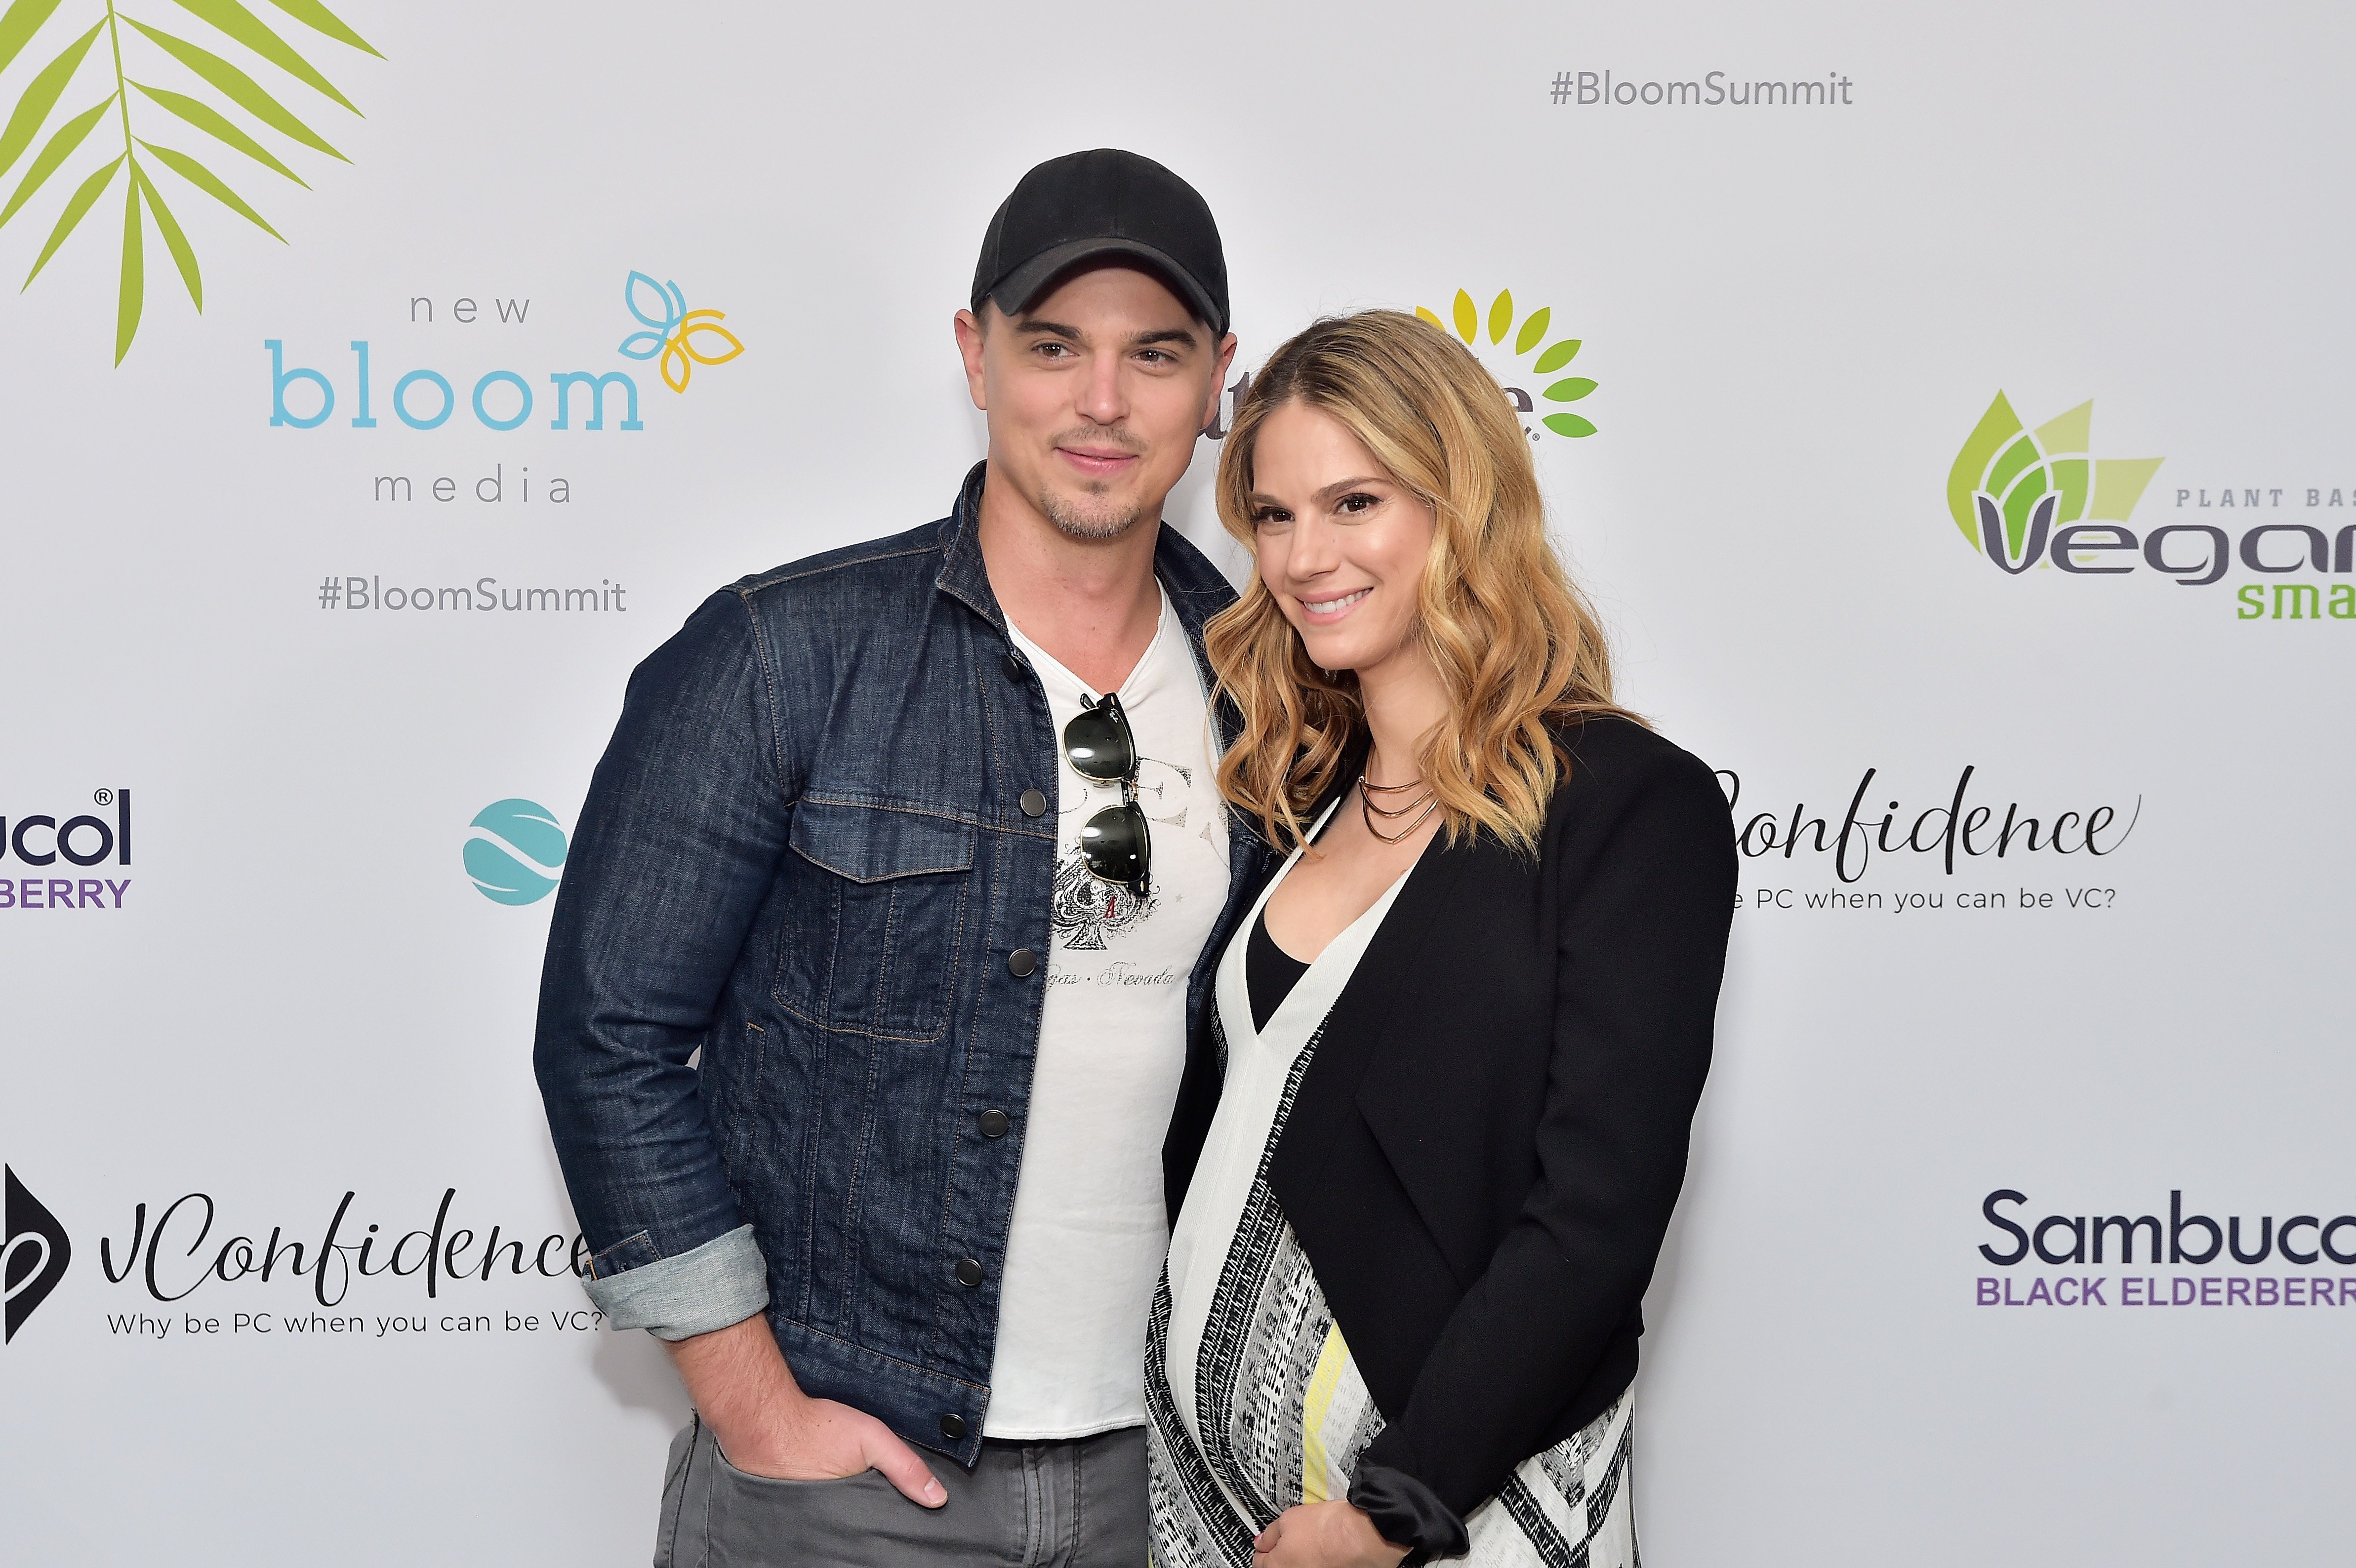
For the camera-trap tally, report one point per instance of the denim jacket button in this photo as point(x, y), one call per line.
point(1022, 961)
point(969, 1272)
point(994, 1123)
point(953, 1426)
point(1015, 668)
point(1034, 803)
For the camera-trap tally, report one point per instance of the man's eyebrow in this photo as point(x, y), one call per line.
point(1038, 327)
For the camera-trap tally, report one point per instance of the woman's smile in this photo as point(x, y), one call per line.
point(1324, 611)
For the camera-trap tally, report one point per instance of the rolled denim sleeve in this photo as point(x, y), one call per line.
point(677, 845)
point(722, 1281)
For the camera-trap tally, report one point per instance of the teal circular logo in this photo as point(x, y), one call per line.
point(516, 852)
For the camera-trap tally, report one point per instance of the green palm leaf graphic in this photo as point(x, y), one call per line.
point(41, 97)
point(1533, 330)
point(318, 18)
point(1567, 424)
point(242, 88)
point(19, 22)
point(204, 180)
point(249, 30)
point(69, 137)
point(235, 90)
point(1501, 315)
point(1569, 390)
point(174, 241)
point(135, 280)
point(210, 120)
point(76, 205)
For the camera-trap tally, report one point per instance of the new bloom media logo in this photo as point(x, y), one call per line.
point(673, 331)
point(424, 399)
point(1530, 370)
point(515, 851)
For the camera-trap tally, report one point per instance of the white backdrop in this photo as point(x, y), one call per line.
point(1794, 317)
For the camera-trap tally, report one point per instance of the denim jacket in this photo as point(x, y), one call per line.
point(792, 997)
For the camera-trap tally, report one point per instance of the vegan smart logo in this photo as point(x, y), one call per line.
point(1532, 362)
point(34, 1257)
point(2023, 496)
point(159, 58)
point(2039, 497)
point(515, 852)
point(672, 331)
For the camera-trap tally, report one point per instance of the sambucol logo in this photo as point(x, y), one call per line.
point(33, 1258)
point(2023, 496)
point(1530, 364)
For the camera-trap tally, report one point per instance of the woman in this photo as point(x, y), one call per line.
point(1463, 1034)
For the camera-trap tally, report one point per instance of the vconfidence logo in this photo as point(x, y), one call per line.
point(142, 106)
point(34, 1257)
point(685, 339)
point(2034, 852)
point(344, 1267)
point(1530, 370)
point(88, 846)
point(2016, 493)
point(293, 1282)
point(516, 852)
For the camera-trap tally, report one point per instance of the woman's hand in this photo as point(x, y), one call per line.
point(1323, 1535)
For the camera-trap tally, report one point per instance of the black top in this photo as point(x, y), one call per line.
point(1484, 1154)
point(1269, 971)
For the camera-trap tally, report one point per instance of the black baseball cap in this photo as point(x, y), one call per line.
point(1103, 203)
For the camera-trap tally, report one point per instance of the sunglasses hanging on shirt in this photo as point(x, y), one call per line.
point(1099, 746)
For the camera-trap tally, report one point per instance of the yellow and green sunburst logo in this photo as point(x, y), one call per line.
point(1533, 360)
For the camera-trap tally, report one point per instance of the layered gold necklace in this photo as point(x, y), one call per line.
point(1369, 810)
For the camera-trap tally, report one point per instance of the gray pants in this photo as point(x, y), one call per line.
point(1080, 1504)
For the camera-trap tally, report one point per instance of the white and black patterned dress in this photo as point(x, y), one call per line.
point(1254, 1401)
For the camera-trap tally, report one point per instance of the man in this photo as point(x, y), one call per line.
point(938, 917)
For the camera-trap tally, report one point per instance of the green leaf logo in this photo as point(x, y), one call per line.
point(1519, 373)
point(143, 198)
point(2011, 488)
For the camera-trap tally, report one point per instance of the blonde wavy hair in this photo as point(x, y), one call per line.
point(1515, 643)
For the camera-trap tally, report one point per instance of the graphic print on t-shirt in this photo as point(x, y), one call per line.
point(1084, 1241)
point(1090, 913)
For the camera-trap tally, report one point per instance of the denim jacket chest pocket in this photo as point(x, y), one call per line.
point(876, 904)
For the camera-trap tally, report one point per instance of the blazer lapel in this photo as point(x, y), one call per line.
point(1354, 1031)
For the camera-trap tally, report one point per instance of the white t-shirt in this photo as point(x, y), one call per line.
point(1090, 1224)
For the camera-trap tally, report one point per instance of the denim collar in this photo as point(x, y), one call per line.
point(1196, 589)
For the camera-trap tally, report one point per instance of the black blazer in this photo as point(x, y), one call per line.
point(1482, 1156)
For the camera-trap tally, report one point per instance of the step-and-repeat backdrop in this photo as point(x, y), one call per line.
point(1950, 413)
